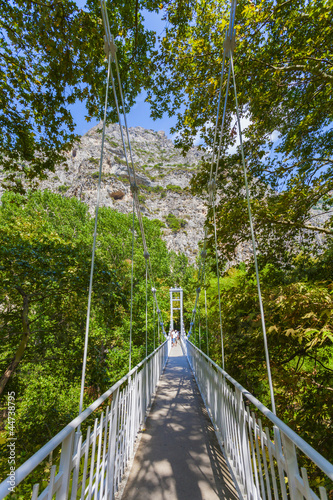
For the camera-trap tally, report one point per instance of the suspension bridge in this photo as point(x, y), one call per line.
point(193, 432)
point(177, 426)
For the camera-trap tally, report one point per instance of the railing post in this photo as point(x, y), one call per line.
point(65, 466)
point(244, 460)
point(144, 391)
point(113, 433)
point(289, 452)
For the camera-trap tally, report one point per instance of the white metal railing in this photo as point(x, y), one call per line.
point(264, 468)
point(93, 468)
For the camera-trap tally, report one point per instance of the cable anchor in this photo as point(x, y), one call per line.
point(212, 186)
point(229, 44)
point(134, 187)
point(110, 48)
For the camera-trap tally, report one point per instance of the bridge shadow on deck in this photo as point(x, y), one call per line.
point(179, 456)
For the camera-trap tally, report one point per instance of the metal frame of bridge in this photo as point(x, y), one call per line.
point(176, 295)
point(264, 460)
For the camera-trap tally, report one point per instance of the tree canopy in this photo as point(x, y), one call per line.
point(284, 75)
point(51, 57)
point(283, 63)
point(298, 312)
point(44, 258)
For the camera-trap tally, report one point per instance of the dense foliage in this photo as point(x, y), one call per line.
point(298, 312)
point(284, 75)
point(47, 63)
point(44, 270)
point(283, 64)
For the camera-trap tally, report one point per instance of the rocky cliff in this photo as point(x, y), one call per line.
point(163, 175)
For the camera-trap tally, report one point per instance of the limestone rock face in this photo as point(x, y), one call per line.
point(163, 175)
point(162, 172)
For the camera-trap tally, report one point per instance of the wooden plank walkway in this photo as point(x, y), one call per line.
point(179, 455)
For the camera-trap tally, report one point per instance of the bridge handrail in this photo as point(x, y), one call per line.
point(25, 469)
point(311, 453)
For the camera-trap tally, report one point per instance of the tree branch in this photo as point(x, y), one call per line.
point(23, 344)
point(35, 2)
point(318, 361)
point(302, 67)
point(297, 353)
point(322, 386)
point(303, 226)
point(136, 25)
point(317, 215)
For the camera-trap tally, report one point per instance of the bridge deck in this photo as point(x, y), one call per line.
point(179, 456)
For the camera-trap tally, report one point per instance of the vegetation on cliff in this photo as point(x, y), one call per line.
point(44, 270)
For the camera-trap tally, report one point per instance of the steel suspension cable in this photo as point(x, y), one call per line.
point(218, 288)
point(206, 315)
point(146, 310)
point(130, 173)
point(132, 284)
point(154, 320)
point(199, 327)
point(139, 215)
point(134, 186)
point(202, 259)
point(263, 323)
point(111, 48)
point(158, 333)
point(94, 242)
point(221, 132)
point(212, 182)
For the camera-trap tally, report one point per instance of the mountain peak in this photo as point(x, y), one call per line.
point(162, 172)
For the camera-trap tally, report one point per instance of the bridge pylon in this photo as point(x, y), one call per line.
point(176, 296)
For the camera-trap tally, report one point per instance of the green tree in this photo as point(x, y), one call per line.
point(300, 335)
point(44, 270)
point(283, 66)
point(45, 280)
point(48, 62)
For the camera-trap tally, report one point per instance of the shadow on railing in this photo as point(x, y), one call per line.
point(263, 467)
point(93, 468)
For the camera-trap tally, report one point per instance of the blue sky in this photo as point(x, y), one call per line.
point(140, 112)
